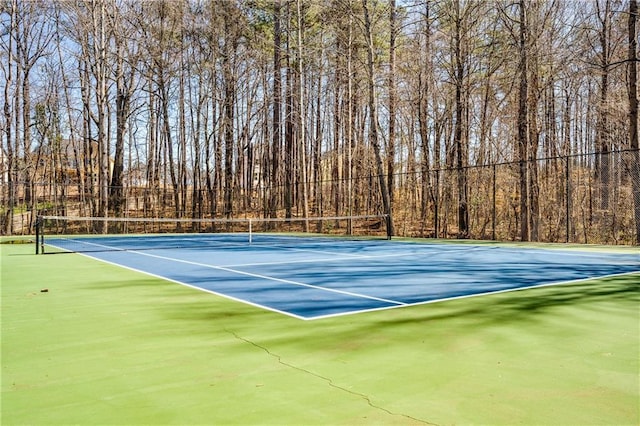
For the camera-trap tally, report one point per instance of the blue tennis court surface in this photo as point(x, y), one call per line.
point(310, 279)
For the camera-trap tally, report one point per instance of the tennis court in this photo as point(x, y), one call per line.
point(313, 278)
point(108, 345)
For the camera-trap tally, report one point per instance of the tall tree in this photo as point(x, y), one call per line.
point(124, 74)
point(373, 115)
point(423, 96)
point(460, 18)
point(99, 66)
point(9, 151)
point(167, 33)
point(302, 144)
point(523, 116)
point(32, 35)
point(393, 99)
point(603, 172)
point(290, 147)
point(230, 45)
point(276, 132)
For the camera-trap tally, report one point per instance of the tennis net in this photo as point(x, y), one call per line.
point(85, 234)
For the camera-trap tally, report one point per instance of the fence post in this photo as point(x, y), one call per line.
point(436, 223)
point(493, 207)
point(567, 177)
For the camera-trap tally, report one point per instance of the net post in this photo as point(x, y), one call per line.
point(38, 233)
point(250, 232)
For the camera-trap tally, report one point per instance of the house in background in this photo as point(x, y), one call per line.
point(70, 162)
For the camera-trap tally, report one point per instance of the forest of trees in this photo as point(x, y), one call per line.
point(494, 119)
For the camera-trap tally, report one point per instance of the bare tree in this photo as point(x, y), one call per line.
point(31, 35)
point(603, 172)
point(98, 64)
point(125, 75)
point(425, 73)
point(230, 108)
point(229, 51)
point(276, 133)
point(373, 115)
point(393, 99)
point(523, 116)
point(302, 144)
point(9, 150)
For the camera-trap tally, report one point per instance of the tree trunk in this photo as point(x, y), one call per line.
point(100, 58)
point(460, 146)
point(277, 107)
point(373, 118)
point(424, 89)
point(302, 145)
point(289, 146)
point(123, 106)
point(228, 76)
point(391, 144)
point(168, 142)
point(602, 132)
point(523, 115)
point(351, 122)
point(8, 116)
point(182, 135)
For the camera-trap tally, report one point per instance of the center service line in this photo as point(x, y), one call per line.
point(222, 268)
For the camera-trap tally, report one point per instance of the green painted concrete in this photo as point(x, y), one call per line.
point(106, 345)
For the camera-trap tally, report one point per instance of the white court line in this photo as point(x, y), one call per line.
point(265, 277)
point(195, 287)
point(320, 317)
point(236, 244)
point(322, 260)
point(355, 256)
point(341, 257)
point(467, 296)
point(80, 241)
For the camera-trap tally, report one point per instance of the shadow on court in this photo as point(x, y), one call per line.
point(514, 306)
point(528, 304)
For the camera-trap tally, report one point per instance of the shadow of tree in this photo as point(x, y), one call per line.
point(619, 292)
point(527, 304)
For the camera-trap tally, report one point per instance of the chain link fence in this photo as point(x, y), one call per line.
point(590, 198)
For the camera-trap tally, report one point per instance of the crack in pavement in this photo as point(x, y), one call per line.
point(327, 380)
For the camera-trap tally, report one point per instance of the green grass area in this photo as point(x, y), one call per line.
point(106, 345)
